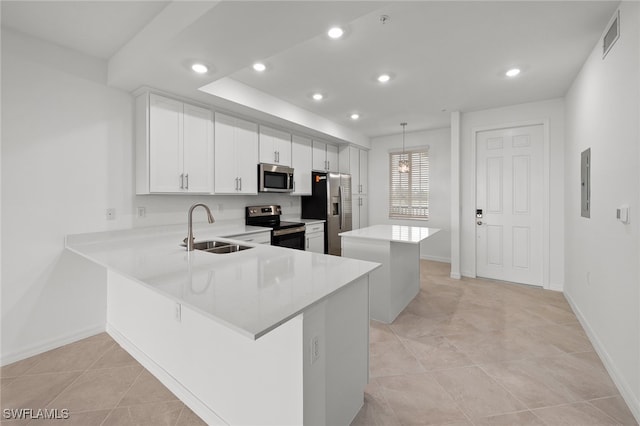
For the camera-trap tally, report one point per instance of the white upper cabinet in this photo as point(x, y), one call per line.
point(174, 146)
point(275, 146)
point(236, 154)
point(301, 160)
point(355, 162)
point(325, 157)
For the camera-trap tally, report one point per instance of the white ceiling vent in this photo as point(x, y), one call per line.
point(612, 35)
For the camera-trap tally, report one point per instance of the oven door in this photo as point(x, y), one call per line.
point(291, 238)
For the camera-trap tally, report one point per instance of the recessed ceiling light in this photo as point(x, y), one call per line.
point(512, 72)
point(335, 32)
point(199, 68)
point(259, 66)
point(355, 116)
point(383, 78)
point(318, 96)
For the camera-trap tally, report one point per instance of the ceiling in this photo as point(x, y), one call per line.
point(443, 56)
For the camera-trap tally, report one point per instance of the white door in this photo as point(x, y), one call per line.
point(510, 192)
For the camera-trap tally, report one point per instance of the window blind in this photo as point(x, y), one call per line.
point(409, 192)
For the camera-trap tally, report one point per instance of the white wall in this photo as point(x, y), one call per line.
point(67, 156)
point(437, 247)
point(602, 278)
point(553, 112)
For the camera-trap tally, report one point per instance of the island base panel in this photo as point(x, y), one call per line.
point(393, 285)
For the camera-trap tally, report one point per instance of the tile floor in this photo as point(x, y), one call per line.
point(480, 352)
point(468, 352)
point(97, 381)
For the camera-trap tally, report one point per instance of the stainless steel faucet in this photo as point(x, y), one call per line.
point(189, 239)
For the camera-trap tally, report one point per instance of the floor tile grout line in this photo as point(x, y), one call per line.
point(602, 411)
point(503, 387)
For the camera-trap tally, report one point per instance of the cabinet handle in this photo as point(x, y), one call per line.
point(307, 242)
point(240, 179)
point(181, 181)
point(328, 165)
point(187, 179)
point(236, 184)
point(360, 201)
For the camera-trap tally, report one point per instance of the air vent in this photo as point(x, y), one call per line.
point(612, 35)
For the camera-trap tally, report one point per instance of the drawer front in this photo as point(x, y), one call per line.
point(316, 227)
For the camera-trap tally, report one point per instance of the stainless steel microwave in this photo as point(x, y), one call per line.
point(274, 178)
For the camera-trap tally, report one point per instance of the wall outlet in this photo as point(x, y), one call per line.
point(315, 349)
point(141, 211)
point(110, 213)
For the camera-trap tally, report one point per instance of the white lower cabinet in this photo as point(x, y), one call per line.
point(218, 372)
point(314, 235)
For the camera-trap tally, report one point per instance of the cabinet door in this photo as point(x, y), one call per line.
point(282, 146)
point(355, 215)
point(319, 156)
point(267, 146)
point(246, 156)
point(275, 146)
point(315, 242)
point(165, 145)
point(364, 171)
point(364, 211)
point(354, 170)
point(332, 158)
point(198, 149)
point(226, 178)
point(301, 161)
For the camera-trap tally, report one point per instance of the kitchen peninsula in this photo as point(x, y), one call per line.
point(266, 335)
point(397, 248)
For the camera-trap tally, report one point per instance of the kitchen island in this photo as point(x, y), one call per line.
point(267, 335)
point(397, 248)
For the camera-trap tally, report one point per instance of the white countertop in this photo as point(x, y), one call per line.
point(251, 291)
point(305, 221)
point(394, 233)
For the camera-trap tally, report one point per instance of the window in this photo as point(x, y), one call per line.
point(409, 192)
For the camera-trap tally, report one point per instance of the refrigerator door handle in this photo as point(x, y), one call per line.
point(340, 207)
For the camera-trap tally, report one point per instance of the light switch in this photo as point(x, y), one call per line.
point(622, 214)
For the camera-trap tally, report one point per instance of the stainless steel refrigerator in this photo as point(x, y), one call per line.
point(330, 200)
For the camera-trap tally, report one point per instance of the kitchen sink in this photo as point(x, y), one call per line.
point(231, 248)
point(218, 247)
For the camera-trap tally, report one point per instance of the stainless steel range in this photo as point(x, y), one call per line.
point(284, 234)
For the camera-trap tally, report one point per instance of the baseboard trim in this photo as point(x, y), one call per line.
point(618, 379)
point(50, 344)
point(455, 276)
point(435, 258)
point(178, 389)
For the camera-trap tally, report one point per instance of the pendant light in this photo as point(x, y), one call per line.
point(403, 164)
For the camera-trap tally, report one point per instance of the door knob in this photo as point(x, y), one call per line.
point(479, 222)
